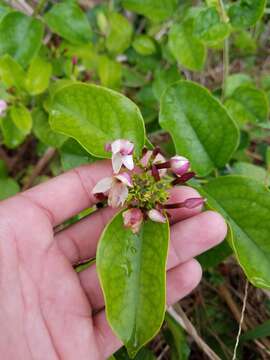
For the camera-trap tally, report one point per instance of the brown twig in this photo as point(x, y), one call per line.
point(181, 318)
point(42, 163)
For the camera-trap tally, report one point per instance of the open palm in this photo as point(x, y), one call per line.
point(47, 310)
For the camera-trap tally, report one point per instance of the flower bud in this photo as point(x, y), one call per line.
point(179, 164)
point(193, 202)
point(156, 216)
point(133, 219)
point(3, 107)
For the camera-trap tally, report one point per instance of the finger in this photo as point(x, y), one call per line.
point(193, 236)
point(181, 280)
point(66, 195)
point(188, 240)
point(79, 241)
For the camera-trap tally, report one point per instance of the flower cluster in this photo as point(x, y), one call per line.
point(142, 185)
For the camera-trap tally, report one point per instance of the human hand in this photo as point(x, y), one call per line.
point(47, 310)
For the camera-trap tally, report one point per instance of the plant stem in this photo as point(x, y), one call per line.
point(226, 65)
point(226, 48)
point(39, 7)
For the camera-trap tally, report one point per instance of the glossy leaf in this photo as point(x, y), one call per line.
point(245, 204)
point(22, 118)
point(155, 10)
point(20, 37)
point(209, 27)
point(235, 81)
point(8, 187)
point(120, 33)
point(245, 13)
point(200, 127)
point(144, 45)
point(188, 50)
point(131, 269)
point(94, 116)
point(38, 76)
point(213, 257)
point(69, 21)
point(250, 170)
point(43, 131)
point(11, 73)
point(12, 136)
point(163, 78)
point(110, 72)
point(248, 104)
point(73, 155)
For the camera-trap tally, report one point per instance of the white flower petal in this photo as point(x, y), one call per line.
point(156, 216)
point(125, 178)
point(117, 195)
point(117, 162)
point(128, 162)
point(116, 146)
point(103, 185)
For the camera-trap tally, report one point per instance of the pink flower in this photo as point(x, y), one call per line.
point(3, 107)
point(159, 159)
point(156, 216)
point(179, 164)
point(122, 151)
point(116, 187)
point(133, 219)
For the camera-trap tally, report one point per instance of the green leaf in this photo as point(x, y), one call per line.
point(245, 13)
point(20, 37)
point(209, 27)
point(176, 338)
point(155, 10)
point(8, 187)
point(245, 204)
point(200, 127)
point(3, 169)
point(43, 131)
point(73, 155)
point(11, 72)
point(22, 118)
point(143, 354)
point(38, 76)
point(144, 45)
point(69, 21)
point(131, 269)
point(260, 331)
point(12, 136)
point(248, 104)
point(213, 257)
point(110, 72)
point(163, 78)
point(189, 51)
point(251, 170)
point(3, 11)
point(235, 81)
point(120, 33)
point(94, 116)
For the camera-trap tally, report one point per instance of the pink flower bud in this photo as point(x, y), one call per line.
point(193, 203)
point(146, 158)
point(179, 164)
point(133, 219)
point(74, 60)
point(156, 216)
point(3, 107)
